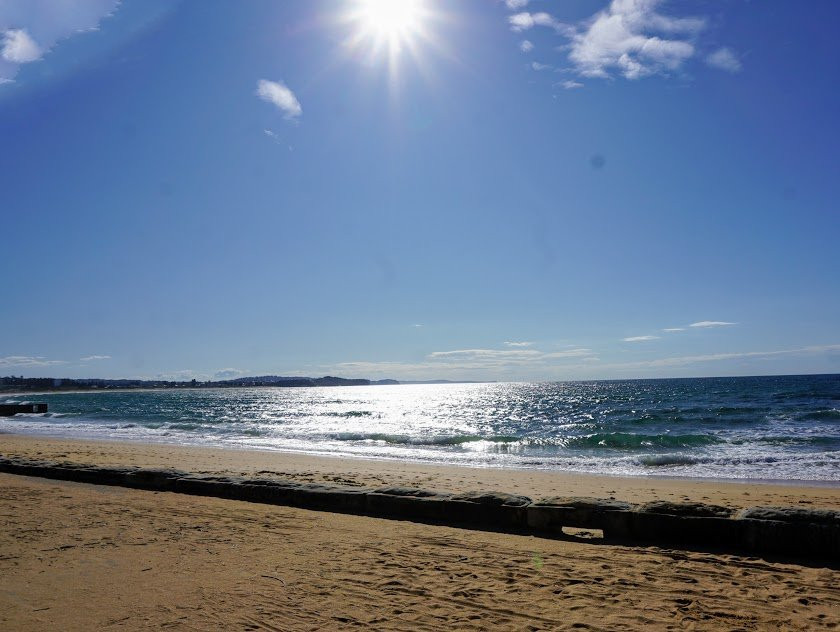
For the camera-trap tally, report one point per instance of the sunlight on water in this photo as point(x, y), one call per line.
point(774, 428)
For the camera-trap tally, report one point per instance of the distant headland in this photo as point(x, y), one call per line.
point(42, 384)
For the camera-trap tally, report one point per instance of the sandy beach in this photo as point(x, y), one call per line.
point(82, 557)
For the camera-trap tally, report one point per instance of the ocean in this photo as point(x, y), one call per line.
point(770, 428)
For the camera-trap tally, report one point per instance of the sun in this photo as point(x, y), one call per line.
point(391, 19)
point(385, 28)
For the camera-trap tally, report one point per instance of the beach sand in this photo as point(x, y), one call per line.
point(82, 557)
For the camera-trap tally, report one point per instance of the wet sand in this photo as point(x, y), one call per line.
point(81, 557)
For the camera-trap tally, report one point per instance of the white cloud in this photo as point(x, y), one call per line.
point(417, 325)
point(184, 375)
point(31, 28)
point(277, 93)
point(570, 353)
point(473, 354)
point(623, 39)
point(520, 22)
point(538, 66)
point(571, 85)
point(671, 329)
point(570, 364)
point(523, 21)
point(711, 323)
point(526, 46)
point(90, 358)
point(724, 59)
point(19, 47)
point(490, 364)
point(712, 357)
point(515, 5)
point(630, 38)
point(524, 343)
point(503, 359)
point(226, 374)
point(499, 358)
point(27, 361)
point(640, 338)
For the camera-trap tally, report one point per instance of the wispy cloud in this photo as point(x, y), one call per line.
point(515, 5)
point(29, 29)
point(569, 353)
point(473, 354)
point(91, 358)
point(524, 21)
point(514, 343)
point(568, 364)
point(526, 46)
point(490, 364)
point(678, 361)
point(199, 375)
point(571, 85)
point(703, 324)
point(227, 374)
point(183, 375)
point(277, 93)
point(28, 361)
point(724, 59)
point(538, 66)
point(640, 338)
point(486, 358)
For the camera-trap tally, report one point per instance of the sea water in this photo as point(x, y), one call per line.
point(742, 428)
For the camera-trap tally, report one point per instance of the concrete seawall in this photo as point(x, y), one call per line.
point(811, 533)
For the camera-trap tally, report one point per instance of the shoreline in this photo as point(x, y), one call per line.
point(361, 472)
point(97, 390)
point(332, 456)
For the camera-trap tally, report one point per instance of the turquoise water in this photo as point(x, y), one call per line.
point(760, 427)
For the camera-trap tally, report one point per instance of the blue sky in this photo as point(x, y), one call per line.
point(474, 190)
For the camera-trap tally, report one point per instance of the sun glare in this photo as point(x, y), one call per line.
point(384, 28)
point(391, 18)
